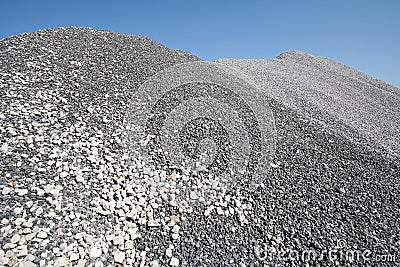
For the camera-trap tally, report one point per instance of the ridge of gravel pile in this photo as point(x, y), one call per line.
point(70, 196)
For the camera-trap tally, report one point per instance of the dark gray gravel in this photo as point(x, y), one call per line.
point(69, 197)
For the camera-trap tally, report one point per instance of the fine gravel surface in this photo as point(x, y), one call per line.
point(73, 193)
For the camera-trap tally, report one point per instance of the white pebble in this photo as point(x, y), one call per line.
point(4, 148)
point(118, 240)
point(6, 190)
point(81, 263)
point(174, 262)
point(19, 221)
point(110, 237)
point(63, 174)
point(18, 210)
point(119, 257)
point(22, 192)
point(42, 235)
point(39, 138)
point(175, 228)
point(29, 237)
point(220, 211)
point(193, 195)
point(27, 264)
point(23, 251)
point(207, 212)
point(15, 239)
point(95, 252)
point(29, 139)
point(80, 179)
point(175, 236)
point(129, 244)
point(152, 223)
point(73, 257)
point(61, 261)
point(39, 211)
point(9, 245)
point(3, 261)
point(168, 252)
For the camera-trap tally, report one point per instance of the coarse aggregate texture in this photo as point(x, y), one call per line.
point(335, 181)
point(71, 196)
point(199, 116)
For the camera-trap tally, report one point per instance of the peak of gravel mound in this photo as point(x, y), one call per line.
point(295, 55)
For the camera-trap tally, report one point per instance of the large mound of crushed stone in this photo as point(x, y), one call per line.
point(73, 193)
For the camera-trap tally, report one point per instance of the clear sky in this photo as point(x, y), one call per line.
point(363, 34)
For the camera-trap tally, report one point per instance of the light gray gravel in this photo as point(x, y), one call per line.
point(70, 196)
point(346, 100)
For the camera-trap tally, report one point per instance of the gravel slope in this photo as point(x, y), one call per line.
point(70, 198)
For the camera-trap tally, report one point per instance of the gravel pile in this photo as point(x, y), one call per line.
point(72, 194)
point(347, 101)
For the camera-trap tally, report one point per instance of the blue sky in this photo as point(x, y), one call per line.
point(362, 34)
